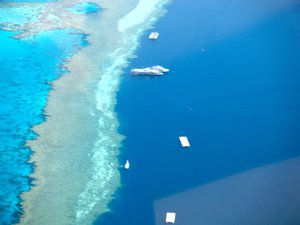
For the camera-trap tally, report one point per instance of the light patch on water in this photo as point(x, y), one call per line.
point(105, 172)
point(143, 11)
point(105, 168)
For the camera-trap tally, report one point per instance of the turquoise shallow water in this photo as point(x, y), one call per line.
point(233, 89)
point(85, 8)
point(27, 66)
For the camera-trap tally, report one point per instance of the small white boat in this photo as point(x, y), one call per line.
point(127, 165)
point(153, 35)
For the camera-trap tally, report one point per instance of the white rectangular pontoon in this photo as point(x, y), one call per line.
point(184, 141)
point(170, 217)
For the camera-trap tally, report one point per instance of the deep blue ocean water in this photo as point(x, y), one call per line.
point(26, 68)
point(233, 89)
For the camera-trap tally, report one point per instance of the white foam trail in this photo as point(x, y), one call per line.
point(105, 173)
point(105, 177)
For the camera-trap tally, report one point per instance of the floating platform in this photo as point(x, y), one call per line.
point(153, 35)
point(184, 141)
point(170, 217)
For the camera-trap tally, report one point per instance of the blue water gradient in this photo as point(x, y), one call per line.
point(26, 68)
point(233, 89)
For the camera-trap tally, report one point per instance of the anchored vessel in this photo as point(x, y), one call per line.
point(127, 165)
point(152, 71)
point(153, 35)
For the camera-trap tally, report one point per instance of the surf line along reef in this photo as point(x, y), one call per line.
point(75, 154)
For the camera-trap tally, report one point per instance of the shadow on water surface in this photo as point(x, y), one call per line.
point(267, 195)
point(233, 90)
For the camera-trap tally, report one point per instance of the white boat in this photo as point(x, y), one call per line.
point(153, 35)
point(146, 71)
point(162, 69)
point(153, 71)
point(127, 165)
